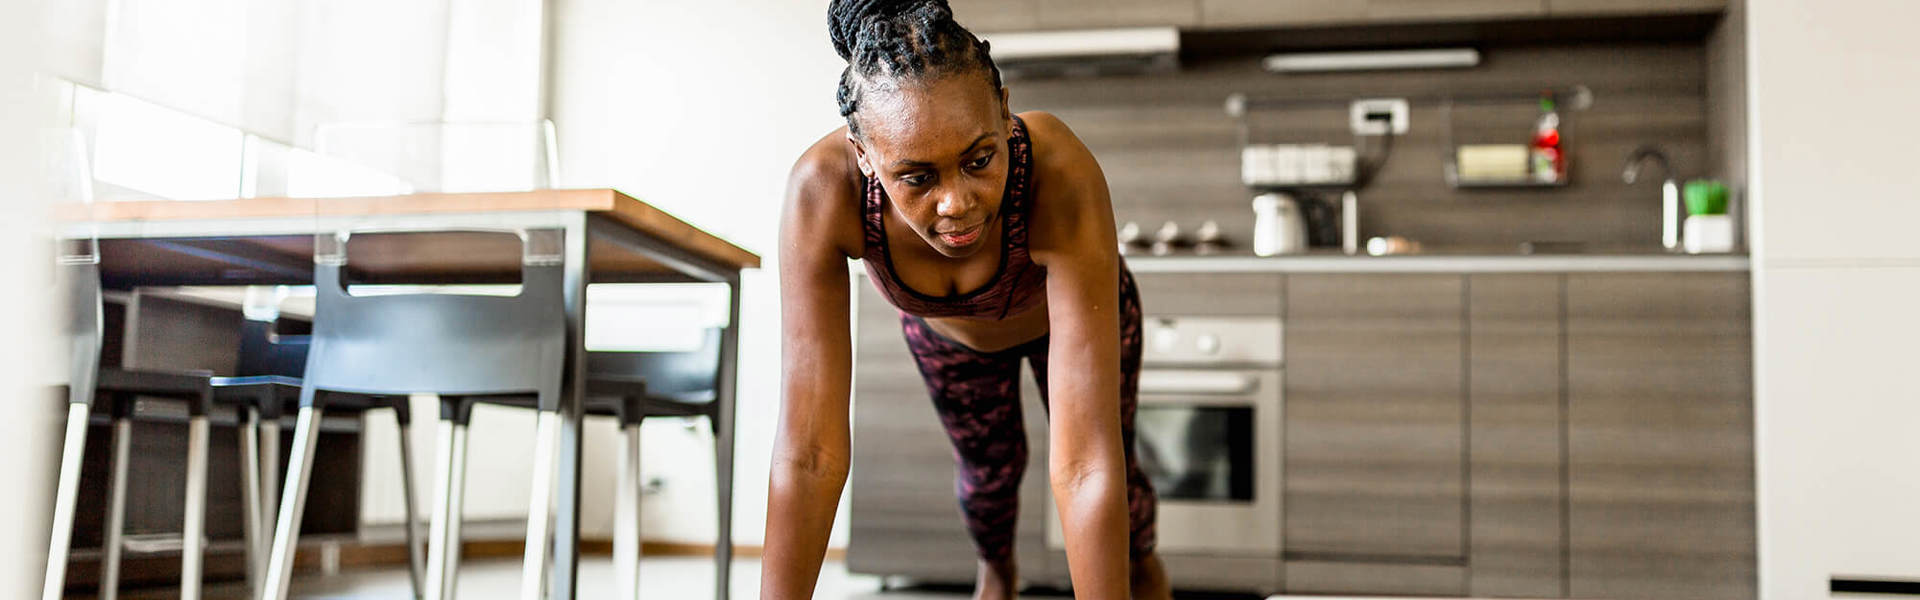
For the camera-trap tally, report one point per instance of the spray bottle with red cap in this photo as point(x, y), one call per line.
point(1547, 162)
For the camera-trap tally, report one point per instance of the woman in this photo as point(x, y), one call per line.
point(993, 234)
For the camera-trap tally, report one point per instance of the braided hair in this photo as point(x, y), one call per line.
point(886, 41)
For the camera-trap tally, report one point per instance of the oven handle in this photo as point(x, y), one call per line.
point(1225, 383)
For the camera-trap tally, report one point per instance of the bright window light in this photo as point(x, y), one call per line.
point(166, 153)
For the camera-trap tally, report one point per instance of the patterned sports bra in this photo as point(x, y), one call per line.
point(1017, 284)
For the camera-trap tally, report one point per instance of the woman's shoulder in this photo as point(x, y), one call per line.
point(1070, 206)
point(1057, 152)
point(823, 192)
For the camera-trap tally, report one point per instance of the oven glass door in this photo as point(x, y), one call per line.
point(1197, 453)
point(1209, 440)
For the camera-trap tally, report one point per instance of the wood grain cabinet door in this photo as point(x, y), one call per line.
point(1376, 428)
point(1660, 436)
point(1516, 455)
point(1228, 14)
point(1093, 14)
point(986, 16)
point(1632, 7)
point(1453, 10)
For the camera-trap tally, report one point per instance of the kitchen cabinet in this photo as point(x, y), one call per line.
point(1446, 10)
point(905, 516)
point(1631, 7)
point(1375, 455)
point(985, 16)
point(1093, 14)
point(1515, 452)
point(1659, 436)
point(1229, 14)
point(1024, 15)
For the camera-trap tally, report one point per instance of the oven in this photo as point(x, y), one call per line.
point(1208, 434)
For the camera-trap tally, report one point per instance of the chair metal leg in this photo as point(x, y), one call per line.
point(443, 551)
point(112, 541)
point(415, 560)
point(269, 476)
point(65, 498)
point(194, 526)
point(456, 506)
point(540, 507)
point(250, 524)
point(286, 533)
point(626, 517)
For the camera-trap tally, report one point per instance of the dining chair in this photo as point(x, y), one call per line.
point(199, 391)
point(465, 348)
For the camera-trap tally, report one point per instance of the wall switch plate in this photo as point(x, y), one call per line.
point(1379, 116)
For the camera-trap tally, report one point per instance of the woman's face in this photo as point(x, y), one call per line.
point(939, 148)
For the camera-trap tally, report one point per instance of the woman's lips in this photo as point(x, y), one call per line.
point(963, 237)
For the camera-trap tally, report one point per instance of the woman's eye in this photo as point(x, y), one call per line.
point(915, 180)
point(980, 163)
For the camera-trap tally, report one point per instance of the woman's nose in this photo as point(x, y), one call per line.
point(954, 204)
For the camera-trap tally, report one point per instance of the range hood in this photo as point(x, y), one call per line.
point(1085, 51)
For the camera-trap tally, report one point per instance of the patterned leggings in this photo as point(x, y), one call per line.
point(977, 395)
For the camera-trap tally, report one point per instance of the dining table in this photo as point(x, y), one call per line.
point(603, 236)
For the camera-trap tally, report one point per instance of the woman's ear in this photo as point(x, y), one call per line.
point(860, 155)
point(1006, 106)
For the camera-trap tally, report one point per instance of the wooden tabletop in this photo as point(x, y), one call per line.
point(383, 257)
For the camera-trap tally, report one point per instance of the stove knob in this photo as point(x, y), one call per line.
point(1208, 344)
point(1165, 339)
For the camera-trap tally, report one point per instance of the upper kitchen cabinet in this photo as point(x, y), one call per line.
point(1574, 8)
point(984, 16)
point(1276, 13)
point(1659, 436)
point(1452, 10)
point(1094, 14)
point(1375, 439)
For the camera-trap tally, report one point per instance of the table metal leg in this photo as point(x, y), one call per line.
point(723, 439)
point(566, 527)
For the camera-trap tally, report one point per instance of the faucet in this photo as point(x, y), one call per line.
point(1669, 192)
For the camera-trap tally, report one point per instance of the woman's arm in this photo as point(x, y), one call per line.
point(813, 447)
point(1074, 238)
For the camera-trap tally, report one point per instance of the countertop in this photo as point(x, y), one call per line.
point(1439, 262)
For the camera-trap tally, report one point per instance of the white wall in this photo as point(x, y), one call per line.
point(32, 429)
point(1836, 283)
point(700, 107)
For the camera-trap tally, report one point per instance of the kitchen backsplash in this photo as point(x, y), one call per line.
point(1171, 152)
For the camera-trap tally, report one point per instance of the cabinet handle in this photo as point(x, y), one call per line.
point(1197, 382)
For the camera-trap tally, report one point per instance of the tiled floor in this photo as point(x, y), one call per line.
point(675, 578)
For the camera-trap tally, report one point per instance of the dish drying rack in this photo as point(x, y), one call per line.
point(1373, 151)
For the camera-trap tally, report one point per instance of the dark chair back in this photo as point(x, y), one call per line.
point(262, 352)
point(462, 345)
point(689, 376)
point(80, 288)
